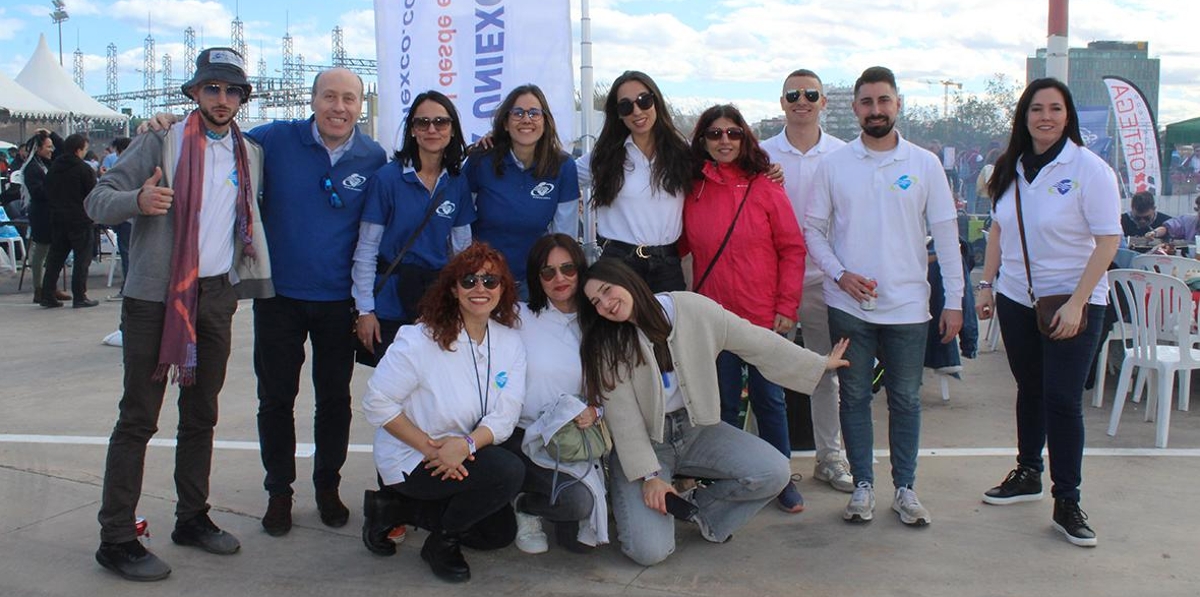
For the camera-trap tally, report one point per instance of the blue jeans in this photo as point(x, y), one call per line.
point(765, 397)
point(1049, 407)
point(746, 472)
point(900, 347)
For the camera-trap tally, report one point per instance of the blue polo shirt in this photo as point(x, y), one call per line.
point(516, 208)
point(396, 199)
point(312, 241)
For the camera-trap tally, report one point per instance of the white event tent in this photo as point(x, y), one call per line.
point(21, 104)
point(46, 78)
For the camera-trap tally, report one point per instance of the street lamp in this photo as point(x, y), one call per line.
point(58, 16)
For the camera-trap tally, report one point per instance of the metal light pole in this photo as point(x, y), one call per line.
point(58, 16)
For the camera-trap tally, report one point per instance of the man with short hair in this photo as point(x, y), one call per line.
point(798, 149)
point(1143, 216)
point(315, 171)
point(198, 246)
point(874, 201)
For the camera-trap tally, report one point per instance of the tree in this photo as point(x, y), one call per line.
point(974, 122)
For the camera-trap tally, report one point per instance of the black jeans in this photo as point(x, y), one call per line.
point(480, 504)
point(574, 500)
point(662, 273)
point(1050, 376)
point(68, 237)
point(281, 326)
point(138, 414)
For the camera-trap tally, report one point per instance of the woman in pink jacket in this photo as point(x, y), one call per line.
point(748, 256)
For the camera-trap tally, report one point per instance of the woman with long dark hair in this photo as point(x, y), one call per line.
point(524, 184)
point(639, 172)
point(649, 360)
point(42, 148)
point(442, 399)
point(1066, 200)
point(748, 256)
point(422, 188)
point(570, 495)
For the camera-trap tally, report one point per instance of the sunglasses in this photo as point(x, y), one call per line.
point(532, 113)
point(213, 90)
point(470, 281)
point(734, 133)
point(327, 185)
point(644, 101)
point(568, 270)
point(441, 123)
point(793, 95)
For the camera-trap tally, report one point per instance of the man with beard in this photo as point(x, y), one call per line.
point(873, 204)
point(197, 246)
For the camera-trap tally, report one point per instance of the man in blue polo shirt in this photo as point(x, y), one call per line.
point(314, 174)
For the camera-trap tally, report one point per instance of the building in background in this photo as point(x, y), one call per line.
point(1129, 60)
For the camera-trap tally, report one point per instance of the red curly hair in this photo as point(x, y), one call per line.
point(439, 307)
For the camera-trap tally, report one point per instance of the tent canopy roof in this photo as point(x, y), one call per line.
point(46, 78)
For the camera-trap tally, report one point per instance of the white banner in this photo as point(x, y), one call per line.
point(475, 52)
point(1137, 135)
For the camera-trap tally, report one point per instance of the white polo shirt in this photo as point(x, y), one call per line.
point(641, 213)
point(1072, 200)
point(551, 340)
point(878, 211)
point(799, 171)
point(440, 391)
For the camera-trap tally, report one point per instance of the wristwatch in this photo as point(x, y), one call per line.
point(470, 444)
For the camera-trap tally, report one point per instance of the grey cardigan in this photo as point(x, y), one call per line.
point(701, 330)
point(114, 200)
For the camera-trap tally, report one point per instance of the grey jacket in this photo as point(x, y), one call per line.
point(701, 330)
point(114, 200)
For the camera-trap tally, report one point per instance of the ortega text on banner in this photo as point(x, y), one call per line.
point(1136, 134)
point(475, 52)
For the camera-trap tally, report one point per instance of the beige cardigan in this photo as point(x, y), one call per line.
point(701, 330)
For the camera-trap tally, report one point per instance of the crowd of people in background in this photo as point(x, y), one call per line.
point(516, 384)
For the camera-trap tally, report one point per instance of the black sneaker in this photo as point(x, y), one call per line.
point(1023, 484)
point(201, 532)
point(278, 519)
point(132, 562)
point(84, 303)
point(1072, 522)
point(333, 512)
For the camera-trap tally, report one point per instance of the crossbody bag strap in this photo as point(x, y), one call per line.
point(412, 239)
point(1024, 248)
point(724, 241)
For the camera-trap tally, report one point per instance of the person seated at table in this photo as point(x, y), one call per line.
point(1179, 227)
point(447, 392)
point(1142, 216)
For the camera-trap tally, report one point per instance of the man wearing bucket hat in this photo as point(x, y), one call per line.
point(197, 247)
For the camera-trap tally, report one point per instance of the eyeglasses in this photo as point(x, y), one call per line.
point(441, 123)
point(568, 270)
point(327, 185)
point(793, 95)
point(1143, 217)
point(519, 113)
point(470, 281)
point(644, 101)
point(213, 90)
point(734, 133)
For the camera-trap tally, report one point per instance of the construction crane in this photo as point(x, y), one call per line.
point(946, 85)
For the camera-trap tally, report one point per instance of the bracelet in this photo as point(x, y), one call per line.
point(984, 285)
point(470, 444)
point(653, 475)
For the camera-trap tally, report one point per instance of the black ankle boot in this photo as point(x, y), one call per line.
point(380, 516)
point(444, 554)
point(566, 534)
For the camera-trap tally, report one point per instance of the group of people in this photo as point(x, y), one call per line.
point(493, 339)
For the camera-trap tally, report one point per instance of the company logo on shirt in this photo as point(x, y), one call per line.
point(233, 179)
point(1063, 186)
point(446, 209)
point(904, 182)
point(542, 190)
point(354, 182)
point(502, 379)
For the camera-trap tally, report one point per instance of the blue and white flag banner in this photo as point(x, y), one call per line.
point(1093, 126)
point(1137, 135)
point(475, 52)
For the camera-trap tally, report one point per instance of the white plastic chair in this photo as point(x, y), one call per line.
point(12, 244)
point(1171, 265)
point(1159, 324)
point(114, 256)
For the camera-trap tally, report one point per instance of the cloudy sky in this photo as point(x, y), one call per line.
point(700, 51)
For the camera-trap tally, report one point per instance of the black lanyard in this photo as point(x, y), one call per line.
point(482, 388)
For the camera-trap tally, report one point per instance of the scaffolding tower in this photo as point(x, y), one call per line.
point(166, 70)
point(110, 73)
point(78, 67)
point(339, 50)
point(148, 75)
point(189, 53)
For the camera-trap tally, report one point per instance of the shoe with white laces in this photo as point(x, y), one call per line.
point(862, 504)
point(909, 508)
point(836, 473)
point(530, 536)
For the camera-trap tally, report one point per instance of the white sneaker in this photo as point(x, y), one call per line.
point(862, 504)
point(909, 508)
point(114, 339)
point(530, 536)
point(836, 473)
